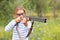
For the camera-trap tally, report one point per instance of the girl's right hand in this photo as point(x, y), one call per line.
point(18, 19)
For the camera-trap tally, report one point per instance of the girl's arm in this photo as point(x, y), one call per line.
point(10, 25)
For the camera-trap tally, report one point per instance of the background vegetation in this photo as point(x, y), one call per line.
point(49, 9)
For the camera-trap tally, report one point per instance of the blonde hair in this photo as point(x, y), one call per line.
point(19, 8)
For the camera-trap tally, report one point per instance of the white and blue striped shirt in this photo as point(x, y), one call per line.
point(23, 30)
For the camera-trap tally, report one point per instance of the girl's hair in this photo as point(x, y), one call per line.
point(18, 8)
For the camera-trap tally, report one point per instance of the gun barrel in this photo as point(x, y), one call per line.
point(38, 19)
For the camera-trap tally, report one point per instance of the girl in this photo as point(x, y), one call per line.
point(20, 24)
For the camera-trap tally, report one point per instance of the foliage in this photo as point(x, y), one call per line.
point(40, 6)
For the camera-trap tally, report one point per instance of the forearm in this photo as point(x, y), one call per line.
point(10, 25)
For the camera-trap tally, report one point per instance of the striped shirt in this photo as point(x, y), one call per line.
point(23, 30)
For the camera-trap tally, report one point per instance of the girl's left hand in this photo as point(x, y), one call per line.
point(25, 20)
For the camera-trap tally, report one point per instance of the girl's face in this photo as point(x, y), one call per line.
point(19, 13)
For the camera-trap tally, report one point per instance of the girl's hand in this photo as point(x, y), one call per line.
point(25, 20)
point(18, 19)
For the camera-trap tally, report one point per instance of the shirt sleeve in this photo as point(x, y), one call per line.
point(10, 25)
point(29, 24)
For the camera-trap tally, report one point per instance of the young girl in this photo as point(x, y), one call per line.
point(20, 24)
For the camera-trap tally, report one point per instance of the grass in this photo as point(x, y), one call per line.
point(4, 35)
point(41, 31)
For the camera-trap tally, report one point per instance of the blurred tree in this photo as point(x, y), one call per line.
point(54, 8)
point(58, 4)
point(40, 6)
point(5, 11)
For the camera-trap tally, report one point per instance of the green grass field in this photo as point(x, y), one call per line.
point(41, 31)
